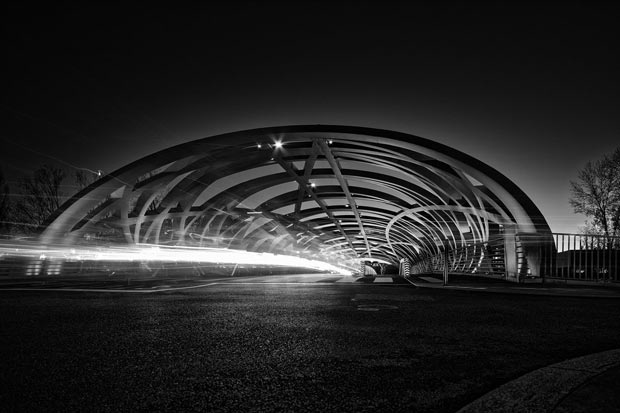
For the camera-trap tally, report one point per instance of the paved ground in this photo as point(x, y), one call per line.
point(289, 343)
point(582, 384)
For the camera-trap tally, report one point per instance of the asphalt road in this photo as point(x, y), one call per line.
point(283, 344)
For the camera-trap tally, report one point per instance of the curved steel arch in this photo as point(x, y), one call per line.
point(335, 192)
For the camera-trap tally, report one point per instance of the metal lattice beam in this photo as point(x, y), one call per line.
point(403, 194)
point(325, 150)
point(300, 180)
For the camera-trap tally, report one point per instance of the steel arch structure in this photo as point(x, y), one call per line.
point(331, 192)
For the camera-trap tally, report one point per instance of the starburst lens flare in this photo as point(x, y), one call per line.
point(50, 258)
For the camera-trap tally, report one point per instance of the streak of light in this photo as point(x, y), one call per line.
point(159, 253)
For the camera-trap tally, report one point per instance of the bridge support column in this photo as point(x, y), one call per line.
point(531, 245)
point(404, 269)
point(510, 253)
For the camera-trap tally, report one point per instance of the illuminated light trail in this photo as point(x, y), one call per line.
point(54, 255)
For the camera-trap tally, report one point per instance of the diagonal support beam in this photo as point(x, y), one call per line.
point(293, 173)
point(345, 188)
point(309, 165)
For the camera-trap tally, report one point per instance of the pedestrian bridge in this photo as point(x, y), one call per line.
point(337, 194)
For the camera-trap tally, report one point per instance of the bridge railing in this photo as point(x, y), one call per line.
point(482, 258)
point(583, 257)
point(569, 257)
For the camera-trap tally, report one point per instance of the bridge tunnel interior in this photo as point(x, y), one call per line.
point(332, 193)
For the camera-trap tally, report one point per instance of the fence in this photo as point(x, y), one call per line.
point(558, 256)
point(582, 258)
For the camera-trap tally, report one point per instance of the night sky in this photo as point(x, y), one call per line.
point(532, 91)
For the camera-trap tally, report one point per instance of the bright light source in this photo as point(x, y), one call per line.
point(278, 144)
point(259, 145)
point(330, 141)
point(312, 184)
point(54, 256)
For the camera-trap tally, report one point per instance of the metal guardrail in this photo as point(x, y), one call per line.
point(575, 257)
point(483, 258)
point(582, 257)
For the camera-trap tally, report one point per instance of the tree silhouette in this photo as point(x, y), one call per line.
point(40, 197)
point(85, 177)
point(596, 193)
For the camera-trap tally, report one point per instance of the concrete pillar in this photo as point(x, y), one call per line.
point(510, 252)
point(531, 245)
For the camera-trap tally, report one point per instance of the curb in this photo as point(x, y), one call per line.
point(519, 289)
point(544, 389)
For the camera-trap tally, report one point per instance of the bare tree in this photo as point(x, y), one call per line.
point(592, 236)
point(40, 197)
point(85, 177)
point(615, 214)
point(596, 193)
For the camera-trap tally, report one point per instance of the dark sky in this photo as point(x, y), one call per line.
point(531, 90)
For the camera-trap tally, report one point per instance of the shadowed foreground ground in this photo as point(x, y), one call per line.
point(284, 347)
